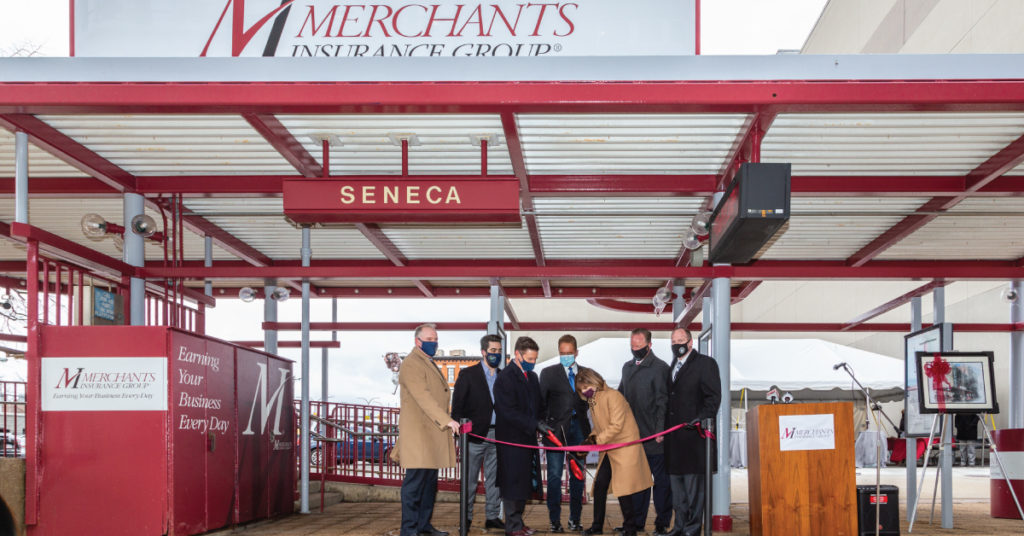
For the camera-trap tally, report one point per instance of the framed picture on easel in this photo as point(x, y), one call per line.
point(931, 339)
point(956, 382)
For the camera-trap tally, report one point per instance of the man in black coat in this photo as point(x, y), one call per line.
point(566, 413)
point(473, 399)
point(694, 393)
point(645, 386)
point(518, 407)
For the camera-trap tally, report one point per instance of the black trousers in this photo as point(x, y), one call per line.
point(513, 515)
point(662, 496)
point(419, 489)
point(688, 502)
point(627, 503)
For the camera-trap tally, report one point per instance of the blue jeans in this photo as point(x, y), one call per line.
point(556, 465)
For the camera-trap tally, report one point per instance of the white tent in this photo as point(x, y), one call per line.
point(802, 367)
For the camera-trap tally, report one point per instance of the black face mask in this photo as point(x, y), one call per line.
point(679, 349)
point(640, 354)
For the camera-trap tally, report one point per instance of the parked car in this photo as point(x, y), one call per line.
point(11, 447)
point(370, 448)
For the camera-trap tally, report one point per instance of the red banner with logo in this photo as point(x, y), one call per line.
point(435, 199)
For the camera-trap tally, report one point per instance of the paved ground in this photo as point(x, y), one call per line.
point(971, 512)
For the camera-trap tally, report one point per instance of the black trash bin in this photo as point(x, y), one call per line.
point(888, 514)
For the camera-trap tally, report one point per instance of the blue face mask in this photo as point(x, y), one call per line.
point(493, 360)
point(567, 360)
point(428, 347)
point(527, 366)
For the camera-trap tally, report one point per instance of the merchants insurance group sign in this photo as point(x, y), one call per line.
point(331, 28)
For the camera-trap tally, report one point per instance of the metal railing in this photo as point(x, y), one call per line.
point(353, 443)
point(12, 424)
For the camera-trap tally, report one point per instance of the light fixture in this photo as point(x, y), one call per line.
point(280, 294)
point(661, 299)
point(1009, 294)
point(5, 303)
point(692, 241)
point(143, 225)
point(246, 294)
point(701, 223)
point(94, 227)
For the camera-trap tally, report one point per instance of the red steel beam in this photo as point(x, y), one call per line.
point(1006, 159)
point(758, 270)
point(617, 293)
point(69, 151)
point(894, 303)
point(380, 240)
point(281, 139)
point(544, 185)
point(783, 327)
point(694, 305)
point(746, 96)
point(516, 155)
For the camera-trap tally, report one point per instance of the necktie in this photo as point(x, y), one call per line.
point(675, 370)
point(572, 379)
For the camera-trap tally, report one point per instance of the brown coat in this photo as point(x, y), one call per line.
point(614, 423)
point(424, 441)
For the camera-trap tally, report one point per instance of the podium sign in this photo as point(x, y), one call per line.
point(801, 470)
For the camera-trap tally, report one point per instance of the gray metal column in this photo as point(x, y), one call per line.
point(307, 253)
point(208, 262)
point(269, 315)
point(496, 325)
point(946, 459)
point(721, 492)
point(911, 445)
point(324, 384)
point(135, 255)
point(1016, 413)
point(21, 177)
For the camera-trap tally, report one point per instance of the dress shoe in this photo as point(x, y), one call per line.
point(494, 524)
point(593, 531)
point(661, 531)
point(434, 532)
point(575, 526)
point(556, 528)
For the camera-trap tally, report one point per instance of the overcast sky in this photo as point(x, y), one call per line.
point(357, 370)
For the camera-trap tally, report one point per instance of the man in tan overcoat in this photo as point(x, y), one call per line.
point(425, 432)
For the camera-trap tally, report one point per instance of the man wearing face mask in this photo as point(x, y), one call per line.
point(518, 408)
point(473, 399)
point(566, 413)
point(645, 386)
point(424, 433)
point(694, 393)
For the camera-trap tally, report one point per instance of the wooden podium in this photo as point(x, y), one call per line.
point(800, 482)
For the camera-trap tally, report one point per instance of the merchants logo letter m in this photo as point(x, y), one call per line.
point(266, 404)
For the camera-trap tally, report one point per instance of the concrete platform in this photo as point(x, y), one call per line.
point(970, 512)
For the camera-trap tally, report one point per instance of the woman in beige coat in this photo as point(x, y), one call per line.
point(625, 468)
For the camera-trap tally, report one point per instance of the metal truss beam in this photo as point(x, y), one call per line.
point(69, 151)
point(626, 326)
point(758, 270)
point(783, 96)
point(894, 303)
point(282, 139)
point(516, 155)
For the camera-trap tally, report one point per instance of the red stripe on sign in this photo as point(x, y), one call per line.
point(879, 499)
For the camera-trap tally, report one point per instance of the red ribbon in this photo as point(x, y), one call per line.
point(573, 465)
point(937, 370)
point(468, 427)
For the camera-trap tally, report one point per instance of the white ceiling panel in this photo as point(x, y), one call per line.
point(960, 237)
point(63, 217)
point(445, 143)
point(889, 144)
point(627, 143)
point(461, 242)
point(175, 144)
point(40, 163)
